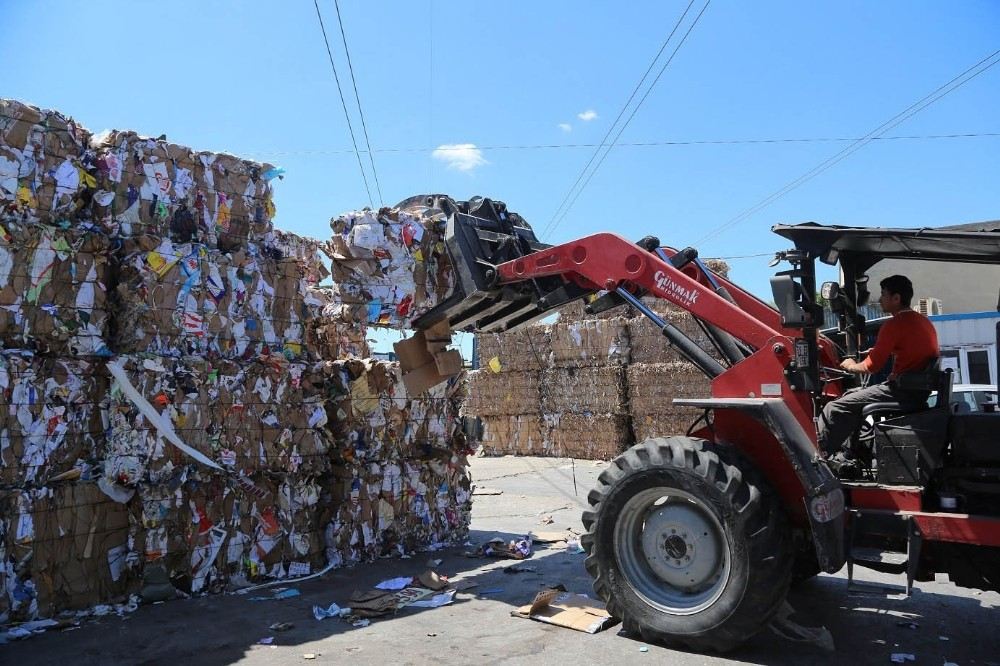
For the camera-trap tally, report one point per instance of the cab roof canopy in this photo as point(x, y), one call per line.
point(860, 248)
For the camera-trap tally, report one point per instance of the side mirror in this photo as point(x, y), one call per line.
point(787, 294)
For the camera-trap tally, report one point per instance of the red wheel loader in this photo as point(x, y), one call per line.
point(693, 539)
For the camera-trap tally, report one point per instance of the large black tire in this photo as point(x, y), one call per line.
point(708, 490)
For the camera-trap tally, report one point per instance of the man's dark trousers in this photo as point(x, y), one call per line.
point(842, 417)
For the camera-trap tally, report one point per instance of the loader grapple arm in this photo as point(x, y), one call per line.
point(481, 235)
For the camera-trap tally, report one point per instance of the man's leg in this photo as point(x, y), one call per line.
point(842, 417)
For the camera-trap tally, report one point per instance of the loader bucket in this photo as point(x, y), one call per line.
point(480, 235)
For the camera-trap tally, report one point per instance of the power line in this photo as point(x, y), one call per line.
point(357, 97)
point(343, 103)
point(634, 110)
point(904, 115)
point(620, 113)
point(634, 144)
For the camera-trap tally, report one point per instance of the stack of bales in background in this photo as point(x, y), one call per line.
point(553, 390)
point(506, 391)
point(176, 408)
point(605, 382)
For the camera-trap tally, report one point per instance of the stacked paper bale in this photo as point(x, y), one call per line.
point(404, 480)
point(505, 393)
point(177, 299)
point(583, 391)
point(652, 388)
point(47, 166)
point(658, 373)
point(391, 262)
point(553, 390)
point(171, 416)
point(152, 187)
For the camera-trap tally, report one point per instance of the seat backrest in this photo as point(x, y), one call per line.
point(944, 381)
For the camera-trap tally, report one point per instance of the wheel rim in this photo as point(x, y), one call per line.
point(672, 550)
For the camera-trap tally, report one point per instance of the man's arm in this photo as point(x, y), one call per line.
point(877, 356)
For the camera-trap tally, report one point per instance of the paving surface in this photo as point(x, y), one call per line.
point(953, 625)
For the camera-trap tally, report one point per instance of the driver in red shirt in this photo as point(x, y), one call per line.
point(910, 338)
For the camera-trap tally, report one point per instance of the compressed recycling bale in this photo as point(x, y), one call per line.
point(503, 393)
point(50, 415)
point(337, 330)
point(652, 388)
point(649, 345)
point(574, 311)
point(392, 262)
point(518, 435)
point(396, 507)
point(591, 437)
point(152, 187)
point(243, 416)
point(176, 299)
point(70, 543)
point(586, 390)
point(46, 166)
point(53, 289)
point(590, 342)
point(373, 418)
point(527, 348)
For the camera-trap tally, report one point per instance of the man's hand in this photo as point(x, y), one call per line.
point(852, 366)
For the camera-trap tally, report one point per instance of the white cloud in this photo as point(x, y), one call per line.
point(565, 127)
point(587, 116)
point(461, 156)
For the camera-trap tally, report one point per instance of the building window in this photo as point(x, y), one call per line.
point(979, 367)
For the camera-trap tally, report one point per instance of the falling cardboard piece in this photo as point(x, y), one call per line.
point(425, 359)
point(566, 609)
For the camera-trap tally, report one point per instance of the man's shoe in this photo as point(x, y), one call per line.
point(845, 466)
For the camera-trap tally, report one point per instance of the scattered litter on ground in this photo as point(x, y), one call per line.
point(436, 601)
point(783, 626)
point(519, 568)
point(361, 624)
point(644, 649)
point(309, 655)
point(573, 547)
point(566, 609)
point(376, 603)
point(901, 657)
point(333, 610)
point(395, 583)
point(432, 581)
point(267, 640)
point(943, 638)
point(432, 635)
point(515, 549)
point(553, 537)
point(281, 626)
point(547, 519)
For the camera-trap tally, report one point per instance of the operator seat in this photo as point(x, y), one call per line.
point(896, 426)
point(933, 378)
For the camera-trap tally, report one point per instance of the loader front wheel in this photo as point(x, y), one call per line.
point(687, 545)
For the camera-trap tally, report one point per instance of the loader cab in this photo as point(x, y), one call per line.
point(955, 456)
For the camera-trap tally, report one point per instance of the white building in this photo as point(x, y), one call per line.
point(968, 345)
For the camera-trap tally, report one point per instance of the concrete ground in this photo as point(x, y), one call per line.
point(952, 624)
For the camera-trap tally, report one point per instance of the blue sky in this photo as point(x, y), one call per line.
point(253, 78)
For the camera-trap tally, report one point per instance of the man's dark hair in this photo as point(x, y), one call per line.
point(900, 285)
